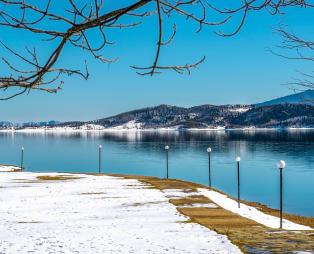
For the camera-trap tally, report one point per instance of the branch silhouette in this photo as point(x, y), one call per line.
point(71, 23)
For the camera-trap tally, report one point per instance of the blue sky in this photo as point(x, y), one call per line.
point(237, 70)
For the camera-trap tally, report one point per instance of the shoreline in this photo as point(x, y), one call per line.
point(113, 130)
point(258, 205)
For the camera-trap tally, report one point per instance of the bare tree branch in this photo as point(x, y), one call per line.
point(294, 47)
point(72, 23)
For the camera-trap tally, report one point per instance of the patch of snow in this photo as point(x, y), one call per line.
point(133, 126)
point(239, 110)
point(173, 128)
point(96, 214)
point(31, 130)
point(249, 128)
point(218, 128)
point(129, 125)
point(193, 115)
point(302, 252)
point(299, 128)
point(249, 211)
point(9, 168)
point(91, 127)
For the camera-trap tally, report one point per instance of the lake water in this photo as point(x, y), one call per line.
point(143, 153)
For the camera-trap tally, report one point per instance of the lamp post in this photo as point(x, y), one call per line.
point(209, 150)
point(99, 159)
point(238, 159)
point(281, 165)
point(22, 158)
point(167, 159)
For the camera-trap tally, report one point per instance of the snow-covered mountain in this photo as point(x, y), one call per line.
point(166, 116)
point(204, 117)
point(296, 110)
point(306, 97)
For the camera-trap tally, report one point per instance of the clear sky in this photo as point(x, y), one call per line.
point(237, 70)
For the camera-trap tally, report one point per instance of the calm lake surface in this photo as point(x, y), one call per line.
point(143, 153)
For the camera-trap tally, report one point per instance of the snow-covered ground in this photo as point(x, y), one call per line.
point(96, 214)
point(250, 212)
point(9, 168)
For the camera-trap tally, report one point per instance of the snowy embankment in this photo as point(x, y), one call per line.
point(9, 168)
point(250, 212)
point(95, 214)
point(129, 126)
point(138, 128)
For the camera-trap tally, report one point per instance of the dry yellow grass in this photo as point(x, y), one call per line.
point(193, 199)
point(57, 178)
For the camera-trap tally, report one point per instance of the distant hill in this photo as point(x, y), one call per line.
point(277, 116)
point(306, 97)
point(6, 124)
point(166, 116)
point(296, 110)
point(205, 117)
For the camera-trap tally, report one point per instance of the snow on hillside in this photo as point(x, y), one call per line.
point(96, 214)
point(91, 127)
point(239, 110)
point(305, 97)
point(296, 110)
point(128, 126)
